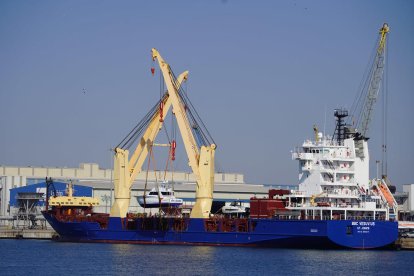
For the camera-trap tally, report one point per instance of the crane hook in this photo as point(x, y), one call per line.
point(173, 146)
point(161, 111)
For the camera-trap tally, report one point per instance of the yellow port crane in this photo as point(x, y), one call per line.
point(363, 106)
point(201, 158)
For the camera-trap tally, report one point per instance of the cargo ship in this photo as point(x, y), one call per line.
point(335, 206)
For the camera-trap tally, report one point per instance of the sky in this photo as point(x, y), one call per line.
point(75, 77)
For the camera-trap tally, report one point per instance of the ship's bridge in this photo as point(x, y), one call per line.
point(325, 149)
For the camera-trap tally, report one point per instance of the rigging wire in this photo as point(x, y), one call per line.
point(138, 128)
point(146, 179)
point(166, 134)
point(359, 101)
point(136, 132)
point(197, 119)
point(196, 126)
point(173, 127)
point(197, 122)
point(155, 172)
point(161, 84)
point(167, 164)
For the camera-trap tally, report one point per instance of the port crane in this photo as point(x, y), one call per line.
point(364, 103)
point(201, 157)
point(362, 110)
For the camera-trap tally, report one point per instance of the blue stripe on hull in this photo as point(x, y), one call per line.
point(267, 233)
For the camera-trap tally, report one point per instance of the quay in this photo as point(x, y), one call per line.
point(45, 234)
point(405, 243)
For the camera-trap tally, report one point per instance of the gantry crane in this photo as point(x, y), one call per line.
point(201, 159)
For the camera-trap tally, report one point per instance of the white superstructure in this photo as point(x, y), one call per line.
point(334, 179)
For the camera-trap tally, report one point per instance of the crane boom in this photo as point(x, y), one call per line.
point(201, 160)
point(141, 152)
point(125, 169)
point(375, 78)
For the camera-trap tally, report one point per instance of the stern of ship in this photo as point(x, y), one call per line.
point(362, 234)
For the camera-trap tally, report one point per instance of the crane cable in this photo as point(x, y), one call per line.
point(161, 106)
point(359, 101)
point(156, 180)
point(135, 133)
point(200, 128)
point(151, 156)
point(202, 131)
point(146, 179)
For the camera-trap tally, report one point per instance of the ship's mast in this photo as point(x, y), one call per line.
point(339, 133)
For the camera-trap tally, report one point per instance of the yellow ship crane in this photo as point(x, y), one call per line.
point(201, 157)
point(200, 151)
point(126, 169)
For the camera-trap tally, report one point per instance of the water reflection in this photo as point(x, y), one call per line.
point(207, 260)
point(161, 259)
point(132, 259)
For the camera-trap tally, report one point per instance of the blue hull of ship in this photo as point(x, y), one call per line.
point(266, 233)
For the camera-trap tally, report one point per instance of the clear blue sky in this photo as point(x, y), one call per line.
point(261, 74)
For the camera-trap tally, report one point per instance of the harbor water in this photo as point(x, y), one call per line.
point(45, 257)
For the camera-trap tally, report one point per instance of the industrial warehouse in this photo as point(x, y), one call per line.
point(91, 180)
